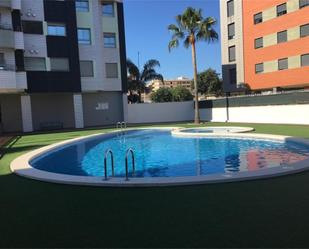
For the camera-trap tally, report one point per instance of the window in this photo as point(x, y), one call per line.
point(59, 64)
point(111, 70)
point(109, 40)
point(2, 60)
point(232, 56)
point(282, 36)
point(258, 18)
point(258, 43)
point(56, 29)
point(233, 76)
point(304, 30)
point(230, 8)
point(259, 68)
point(32, 27)
point(108, 9)
point(281, 9)
point(86, 69)
point(231, 31)
point(19, 60)
point(84, 36)
point(305, 60)
point(35, 64)
point(82, 5)
point(303, 3)
point(283, 64)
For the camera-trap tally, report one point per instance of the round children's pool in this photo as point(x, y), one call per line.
point(161, 157)
point(208, 130)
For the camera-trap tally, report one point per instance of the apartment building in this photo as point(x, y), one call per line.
point(180, 81)
point(62, 64)
point(265, 44)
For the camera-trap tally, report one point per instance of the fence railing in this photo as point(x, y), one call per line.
point(282, 98)
point(6, 26)
point(7, 67)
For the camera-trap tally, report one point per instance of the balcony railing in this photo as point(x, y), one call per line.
point(6, 26)
point(5, 4)
point(7, 67)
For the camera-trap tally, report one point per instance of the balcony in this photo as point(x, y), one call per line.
point(10, 80)
point(7, 67)
point(7, 37)
point(5, 4)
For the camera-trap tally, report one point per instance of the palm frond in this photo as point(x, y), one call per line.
point(149, 70)
point(179, 22)
point(150, 64)
point(132, 70)
point(187, 42)
point(177, 33)
point(173, 28)
point(154, 76)
point(191, 27)
point(173, 44)
point(191, 18)
point(206, 31)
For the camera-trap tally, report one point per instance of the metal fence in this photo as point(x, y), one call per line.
point(5, 26)
point(7, 67)
point(291, 98)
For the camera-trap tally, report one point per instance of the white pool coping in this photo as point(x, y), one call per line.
point(22, 167)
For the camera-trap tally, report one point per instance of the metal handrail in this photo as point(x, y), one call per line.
point(118, 125)
point(121, 125)
point(108, 152)
point(130, 151)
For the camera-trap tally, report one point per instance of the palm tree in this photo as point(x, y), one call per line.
point(137, 79)
point(192, 27)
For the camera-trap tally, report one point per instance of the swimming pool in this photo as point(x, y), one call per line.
point(162, 156)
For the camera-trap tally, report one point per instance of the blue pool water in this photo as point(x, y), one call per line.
point(158, 153)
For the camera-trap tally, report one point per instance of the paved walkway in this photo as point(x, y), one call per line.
point(4, 140)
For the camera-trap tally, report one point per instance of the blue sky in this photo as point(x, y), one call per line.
point(146, 24)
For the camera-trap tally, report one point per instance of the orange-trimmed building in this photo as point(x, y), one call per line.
point(265, 44)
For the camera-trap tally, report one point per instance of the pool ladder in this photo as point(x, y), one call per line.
point(110, 152)
point(121, 125)
point(130, 152)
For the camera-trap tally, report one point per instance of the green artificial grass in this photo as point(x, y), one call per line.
point(263, 213)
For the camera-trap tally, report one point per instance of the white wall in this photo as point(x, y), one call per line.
point(32, 10)
point(37, 43)
point(161, 112)
point(184, 111)
point(278, 114)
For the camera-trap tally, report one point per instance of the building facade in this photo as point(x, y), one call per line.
point(155, 85)
point(62, 64)
point(180, 81)
point(265, 44)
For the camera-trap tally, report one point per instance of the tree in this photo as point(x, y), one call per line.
point(192, 27)
point(209, 82)
point(162, 95)
point(181, 93)
point(137, 79)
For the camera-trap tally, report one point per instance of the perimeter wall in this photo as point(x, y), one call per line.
point(289, 108)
